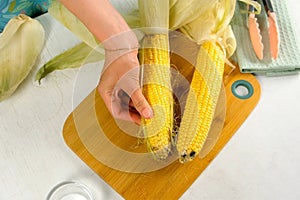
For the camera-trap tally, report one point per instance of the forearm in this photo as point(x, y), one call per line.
point(104, 21)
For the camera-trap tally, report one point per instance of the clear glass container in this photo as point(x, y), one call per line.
point(70, 190)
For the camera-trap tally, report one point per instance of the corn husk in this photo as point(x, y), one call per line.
point(89, 51)
point(20, 45)
point(70, 21)
point(183, 12)
point(65, 17)
point(199, 20)
point(75, 57)
point(214, 25)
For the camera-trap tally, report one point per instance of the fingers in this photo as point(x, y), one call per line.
point(129, 83)
point(131, 116)
point(137, 104)
point(119, 105)
point(141, 104)
point(120, 90)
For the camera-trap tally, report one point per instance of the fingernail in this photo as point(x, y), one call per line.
point(147, 113)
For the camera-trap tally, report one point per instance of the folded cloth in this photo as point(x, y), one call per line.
point(288, 61)
point(11, 8)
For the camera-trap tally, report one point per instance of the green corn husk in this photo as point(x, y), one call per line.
point(65, 17)
point(72, 58)
point(21, 42)
point(88, 51)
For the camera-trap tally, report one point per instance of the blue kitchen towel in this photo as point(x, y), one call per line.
point(288, 61)
point(11, 8)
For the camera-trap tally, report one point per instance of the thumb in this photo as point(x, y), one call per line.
point(141, 104)
point(129, 82)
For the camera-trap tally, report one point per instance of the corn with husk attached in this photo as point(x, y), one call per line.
point(201, 101)
point(155, 62)
point(207, 78)
point(20, 45)
point(156, 88)
point(200, 21)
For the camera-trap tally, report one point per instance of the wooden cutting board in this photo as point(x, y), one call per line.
point(81, 134)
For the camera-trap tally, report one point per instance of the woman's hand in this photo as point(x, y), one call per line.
point(119, 87)
point(119, 83)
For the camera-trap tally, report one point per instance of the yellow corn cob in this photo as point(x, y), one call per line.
point(155, 60)
point(201, 101)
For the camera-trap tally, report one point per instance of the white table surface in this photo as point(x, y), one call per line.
point(261, 161)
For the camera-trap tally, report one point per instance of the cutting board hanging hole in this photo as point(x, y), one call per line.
point(242, 89)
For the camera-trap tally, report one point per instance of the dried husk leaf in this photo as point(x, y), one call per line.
point(72, 58)
point(20, 45)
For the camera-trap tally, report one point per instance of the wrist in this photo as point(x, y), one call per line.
point(124, 41)
point(123, 45)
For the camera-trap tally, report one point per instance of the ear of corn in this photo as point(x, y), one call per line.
point(157, 90)
point(20, 44)
point(210, 23)
point(201, 101)
point(155, 62)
